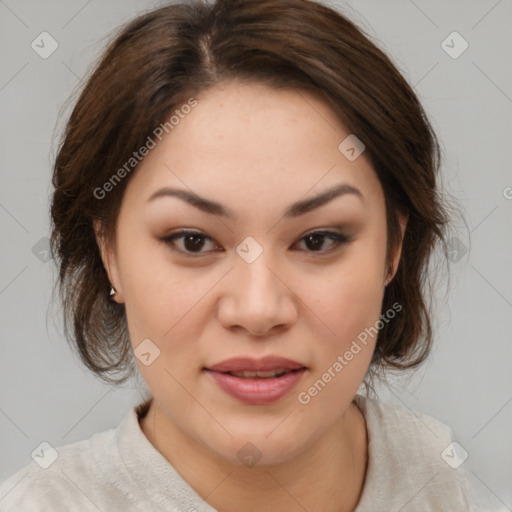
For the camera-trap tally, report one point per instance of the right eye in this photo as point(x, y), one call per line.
point(191, 241)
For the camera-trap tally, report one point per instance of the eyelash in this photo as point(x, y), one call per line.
point(337, 238)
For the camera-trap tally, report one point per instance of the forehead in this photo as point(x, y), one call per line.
point(249, 141)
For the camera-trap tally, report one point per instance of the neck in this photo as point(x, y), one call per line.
point(328, 476)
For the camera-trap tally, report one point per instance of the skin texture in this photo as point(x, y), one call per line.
point(256, 150)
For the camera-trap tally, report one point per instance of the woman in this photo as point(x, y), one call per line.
point(246, 199)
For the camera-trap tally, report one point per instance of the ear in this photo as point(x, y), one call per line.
point(402, 219)
point(109, 258)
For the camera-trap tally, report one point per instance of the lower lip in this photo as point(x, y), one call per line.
point(257, 391)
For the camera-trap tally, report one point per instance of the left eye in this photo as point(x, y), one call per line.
point(193, 241)
point(317, 238)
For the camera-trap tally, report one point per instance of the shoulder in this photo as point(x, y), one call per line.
point(400, 422)
point(413, 460)
point(63, 478)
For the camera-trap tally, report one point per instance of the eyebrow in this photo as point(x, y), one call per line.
point(295, 210)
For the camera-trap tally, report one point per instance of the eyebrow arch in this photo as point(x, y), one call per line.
point(295, 210)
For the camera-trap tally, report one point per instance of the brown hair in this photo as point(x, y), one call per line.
point(165, 56)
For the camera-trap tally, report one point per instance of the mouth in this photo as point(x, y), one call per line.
point(270, 374)
point(257, 382)
point(265, 367)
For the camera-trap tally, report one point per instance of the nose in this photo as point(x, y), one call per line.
point(257, 298)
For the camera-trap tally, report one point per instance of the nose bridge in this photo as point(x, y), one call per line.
point(253, 272)
point(258, 299)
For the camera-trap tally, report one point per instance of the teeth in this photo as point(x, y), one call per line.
point(262, 375)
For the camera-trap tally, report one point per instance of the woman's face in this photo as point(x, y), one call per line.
point(252, 283)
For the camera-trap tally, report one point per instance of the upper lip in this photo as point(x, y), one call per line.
point(239, 364)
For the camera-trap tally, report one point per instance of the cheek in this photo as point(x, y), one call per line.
point(165, 308)
point(350, 297)
point(349, 303)
point(169, 305)
point(155, 296)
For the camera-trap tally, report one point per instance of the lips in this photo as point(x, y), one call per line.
point(247, 364)
point(257, 381)
point(270, 374)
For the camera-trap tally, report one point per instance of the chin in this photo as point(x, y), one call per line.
point(259, 450)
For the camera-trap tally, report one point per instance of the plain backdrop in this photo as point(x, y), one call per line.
point(46, 395)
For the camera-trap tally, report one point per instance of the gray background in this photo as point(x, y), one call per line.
point(467, 383)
